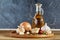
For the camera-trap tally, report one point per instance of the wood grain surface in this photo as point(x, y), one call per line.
point(5, 35)
point(14, 34)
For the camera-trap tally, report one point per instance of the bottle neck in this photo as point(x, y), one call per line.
point(38, 8)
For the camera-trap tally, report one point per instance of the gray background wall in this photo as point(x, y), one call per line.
point(13, 12)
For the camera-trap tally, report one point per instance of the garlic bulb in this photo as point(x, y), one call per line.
point(26, 26)
point(46, 29)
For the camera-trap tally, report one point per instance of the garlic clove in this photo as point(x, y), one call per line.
point(21, 33)
point(35, 30)
point(27, 33)
point(48, 32)
point(17, 30)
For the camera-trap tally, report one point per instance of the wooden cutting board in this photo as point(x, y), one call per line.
point(14, 34)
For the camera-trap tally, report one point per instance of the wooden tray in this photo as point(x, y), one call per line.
point(14, 34)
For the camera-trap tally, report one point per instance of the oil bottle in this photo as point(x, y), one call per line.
point(38, 19)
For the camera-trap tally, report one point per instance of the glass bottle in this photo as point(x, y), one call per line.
point(38, 20)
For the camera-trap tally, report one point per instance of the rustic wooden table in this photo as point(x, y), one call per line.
point(4, 35)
